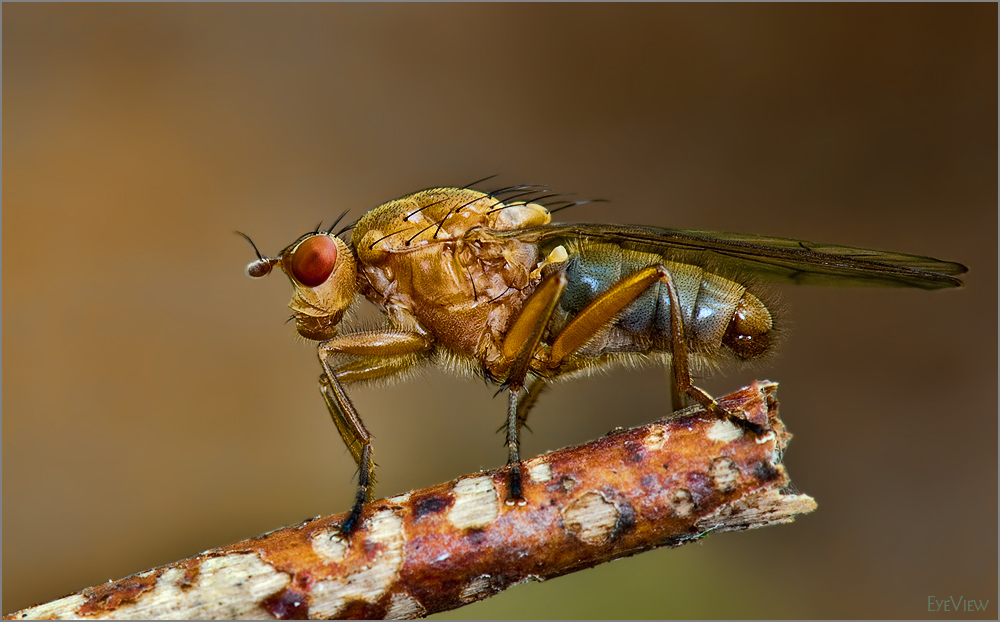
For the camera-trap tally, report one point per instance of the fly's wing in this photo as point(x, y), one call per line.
point(771, 259)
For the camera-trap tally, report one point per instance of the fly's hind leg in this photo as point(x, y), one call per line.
point(681, 370)
point(377, 355)
point(603, 309)
point(679, 357)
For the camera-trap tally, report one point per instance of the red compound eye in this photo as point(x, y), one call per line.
point(313, 261)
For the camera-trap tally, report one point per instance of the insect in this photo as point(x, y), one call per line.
point(485, 284)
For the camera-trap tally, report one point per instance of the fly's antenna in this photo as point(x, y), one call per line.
point(247, 238)
point(336, 222)
point(263, 265)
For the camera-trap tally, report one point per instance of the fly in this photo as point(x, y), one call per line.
point(485, 284)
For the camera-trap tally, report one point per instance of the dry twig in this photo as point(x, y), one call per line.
point(431, 550)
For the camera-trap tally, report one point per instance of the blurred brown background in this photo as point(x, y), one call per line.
point(156, 404)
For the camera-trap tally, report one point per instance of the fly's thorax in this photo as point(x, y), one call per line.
point(437, 214)
point(464, 292)
point(322, 270)
point(434, 255)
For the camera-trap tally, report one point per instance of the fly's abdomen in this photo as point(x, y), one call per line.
point(715, 311)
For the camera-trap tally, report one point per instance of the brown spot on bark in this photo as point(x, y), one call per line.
point(626, 512)
point(288, 604)
point(700, 487)
point(765, 472)
point(636, 452)
point(428, 506)
point(359, 610)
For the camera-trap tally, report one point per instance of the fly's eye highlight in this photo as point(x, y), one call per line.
point(313, 260)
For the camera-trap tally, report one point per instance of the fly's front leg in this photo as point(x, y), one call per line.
point(603, 309)
point(358, 441)
point(379, 354)
point(518, 349)
point(514, 492)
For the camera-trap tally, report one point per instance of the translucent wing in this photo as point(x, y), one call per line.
point(772, 259)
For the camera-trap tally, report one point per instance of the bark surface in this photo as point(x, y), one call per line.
point(664, 484)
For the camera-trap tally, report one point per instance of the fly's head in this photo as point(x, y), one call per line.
point(322, 270)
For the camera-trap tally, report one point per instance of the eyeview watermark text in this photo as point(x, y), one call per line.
point(950, 604)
